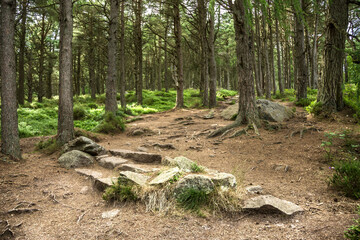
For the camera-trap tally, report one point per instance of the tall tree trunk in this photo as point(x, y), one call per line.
point(258, 46)
point(21, 89)
point(78, 71)
point(29, 78)
point(138, 50)
point(65, 117)
point(179, 56)
point(50, 71)
point(166, 80)
point(271, 57)
point(122, 55)
point(247, 108)
point(110, 101)
point(280, 80)
point(91, 58)
point(212, 62)
point(204, 82)
point(267, 75)
point(41, 59)
point(331, 87)
point(300, 62)
point(314, 70)
point(158, 77)
point(346, 69)
point(9, 119)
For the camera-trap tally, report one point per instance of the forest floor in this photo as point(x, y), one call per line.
point(65, 212)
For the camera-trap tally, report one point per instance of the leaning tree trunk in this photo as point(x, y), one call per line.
point(331, 92)
point(300, 62)
point(179, 62)
point(65, 116)
point(110, 101)
point(9, 119)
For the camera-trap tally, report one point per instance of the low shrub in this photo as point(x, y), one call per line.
point(120, 191)
point(48, 146)
point(111, 124)
point(303, 102)
point(79, 112)
point(346, 177)
point(192, 199)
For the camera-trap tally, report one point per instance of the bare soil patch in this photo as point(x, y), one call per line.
point(64, 211)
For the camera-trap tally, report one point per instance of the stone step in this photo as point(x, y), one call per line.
point(137, 156)
point(111, 162)
point(135, 178)
point(137, 168)
point(102, 183)
point(89, 173)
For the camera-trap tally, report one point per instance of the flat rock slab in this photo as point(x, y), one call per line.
point(271, 202)
point(89, 173)
point(137, 156)
point(136, 168)
point(102, 183)
point(110, 214)
point(165, 176)
point(134, 178)
point(111, 162)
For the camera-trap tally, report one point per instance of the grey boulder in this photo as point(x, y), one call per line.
point(194, 181)
point(75, 159)
point(84, 144)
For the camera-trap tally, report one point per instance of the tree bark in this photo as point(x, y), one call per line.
point(314, 70)
point(280, 80)
point(122, 55)
point(9, 119)
point(267, 75)
point(271, 56)
point(212, 62)
point(65, 116)
point(258, 47)
point(300, 62)
point(21, 89)
point(137, 5)
point(331, 87)
point(179, 56)
point(247, 108)
point(110, 101)
point(29, 78)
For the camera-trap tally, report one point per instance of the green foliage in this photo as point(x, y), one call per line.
point(48, 146)
point(92, 105)
point(111, 124)
point(120, 191)
point(221, 94)
point(353, 232)
point(314, 108)
point(196, 168)
point(79, 112)
point(192, 199)
point(303, 102)
point(175, 178)
point(346, 177)
point(351, 98)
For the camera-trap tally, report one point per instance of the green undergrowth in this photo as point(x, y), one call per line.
point(289, 95)
point(353, 232)
point(40, 119)
point(342, 151)
point(120, 191)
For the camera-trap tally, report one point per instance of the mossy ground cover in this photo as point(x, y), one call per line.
point(40, 119)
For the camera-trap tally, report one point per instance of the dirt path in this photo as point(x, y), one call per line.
point(65, 211)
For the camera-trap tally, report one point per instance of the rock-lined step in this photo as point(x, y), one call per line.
point(136, 168)
point(112, 162)
point(137, 156)
point(271, 202)
point(165, 176)
point(102, 183)
point(89, 173)
point(134, 178)
point(75, 159)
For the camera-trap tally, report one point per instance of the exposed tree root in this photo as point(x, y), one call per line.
point(224, 131)
point(302, 131)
